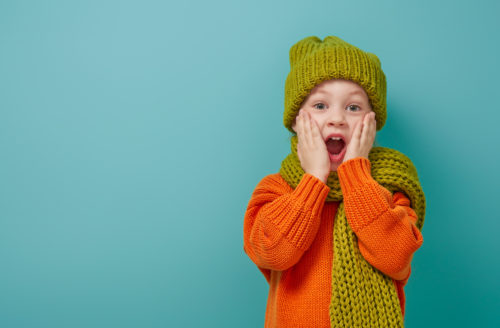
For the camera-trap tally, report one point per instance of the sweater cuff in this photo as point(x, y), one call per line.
point(301, 223)
point(312, 191)
point(364, 198)
point(354, 173)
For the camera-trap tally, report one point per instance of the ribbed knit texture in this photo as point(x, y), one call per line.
point(337, 254)
point(362, 296)
point(300, 275)
point(313, 61)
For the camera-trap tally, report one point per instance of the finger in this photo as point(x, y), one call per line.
point(305, 131)
point(373, 124)
point(373, 127)
point(367, 120)
point(357, 132)
point(315, 130)
point(372, 130)
point(307, 128)
point(366, 128)
point(300, 127)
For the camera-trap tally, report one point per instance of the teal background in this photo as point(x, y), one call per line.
point(132, 134)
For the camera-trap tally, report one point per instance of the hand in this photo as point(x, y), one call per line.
point(311, 147)
point(362, 138)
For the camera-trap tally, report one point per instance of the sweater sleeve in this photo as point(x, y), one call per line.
point(280, 222)
point(384, 223)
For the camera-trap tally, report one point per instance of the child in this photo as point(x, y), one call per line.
point(334, 232)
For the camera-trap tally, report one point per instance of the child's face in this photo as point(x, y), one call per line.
point(337, 106)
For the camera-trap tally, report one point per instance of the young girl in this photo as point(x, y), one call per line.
point(334, 232)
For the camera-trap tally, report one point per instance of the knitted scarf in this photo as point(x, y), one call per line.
point(363, 296)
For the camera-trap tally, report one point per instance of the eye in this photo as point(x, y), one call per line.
point(318, 104)
point(354, 106)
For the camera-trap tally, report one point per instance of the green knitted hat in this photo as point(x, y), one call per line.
point(313, 61)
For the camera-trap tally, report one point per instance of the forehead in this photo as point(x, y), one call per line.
point(338, 87)
point(349, 92)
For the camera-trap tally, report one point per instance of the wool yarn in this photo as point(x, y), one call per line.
point(313, 61)
point(362, 296)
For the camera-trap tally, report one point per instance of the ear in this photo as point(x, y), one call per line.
point(294, 124)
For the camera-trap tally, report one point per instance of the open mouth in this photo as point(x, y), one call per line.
point(335, 145)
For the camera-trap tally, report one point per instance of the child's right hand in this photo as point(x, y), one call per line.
point(311, 148)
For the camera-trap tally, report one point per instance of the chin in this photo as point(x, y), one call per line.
point(334, 167)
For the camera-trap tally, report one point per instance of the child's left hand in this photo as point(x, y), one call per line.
point(362, 138)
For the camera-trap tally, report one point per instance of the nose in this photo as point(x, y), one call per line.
point(336, 117)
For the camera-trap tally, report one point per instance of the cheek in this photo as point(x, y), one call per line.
point(352, 125)
point(316, 119)
point(353, 121)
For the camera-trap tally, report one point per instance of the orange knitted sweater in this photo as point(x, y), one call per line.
point(300, 274)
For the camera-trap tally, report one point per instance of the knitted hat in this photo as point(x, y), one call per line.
point(313, 61)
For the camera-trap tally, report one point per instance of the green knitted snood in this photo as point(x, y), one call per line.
point(363, 296)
